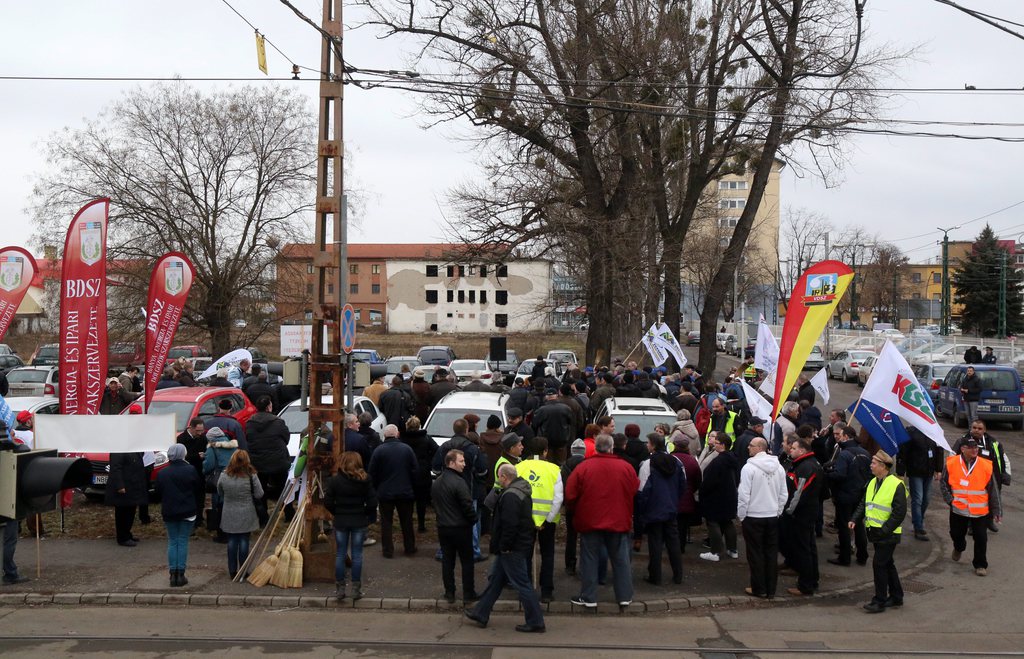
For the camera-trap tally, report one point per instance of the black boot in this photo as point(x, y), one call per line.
point(182, 581)
point(174, 578)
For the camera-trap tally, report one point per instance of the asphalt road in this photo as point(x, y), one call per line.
point(948, 612)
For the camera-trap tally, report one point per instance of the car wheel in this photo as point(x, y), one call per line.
point(860, 383)
point(846, 377)
point(959, 420)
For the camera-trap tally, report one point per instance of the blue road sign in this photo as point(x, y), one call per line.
point(348, 328)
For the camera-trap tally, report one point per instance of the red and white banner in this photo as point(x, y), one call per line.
point(17, 270)
point(83, 311)
point(168, 290)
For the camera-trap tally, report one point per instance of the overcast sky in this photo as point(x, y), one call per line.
point(900, 187)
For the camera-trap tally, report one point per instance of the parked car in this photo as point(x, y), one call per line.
point(440, 355)
point(926, 330)
point(393, 365)
point(722, 340)
point(851, 326)
point(33, 381)
point(188, 352)
point(457, 404)
point(562, 357)
point(122, 355)
point(846, 364)
point(7, 362)
point(693, 338)
point(6, 349)
point(1002, 398)
point(187, 403)
point(930, 377)
point(47, 355)
point(864, 370)
point(815, 360)
point(35, 404)
point(297, 419)
point(751, 347)
point(465, 368)
point(526, 368)
point(732, 345)
point(367, 355)
point(645, 412)
point(890, 333)
point(507, 367)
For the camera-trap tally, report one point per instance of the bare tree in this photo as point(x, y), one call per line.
point(222, 176)
point(802, 243)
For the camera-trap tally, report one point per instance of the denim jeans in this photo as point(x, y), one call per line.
point(920, 489)
point(618, 548)
point(238, 551)
point(510, 568)
point(349, 538)
point(10, 544)
point(177, 543)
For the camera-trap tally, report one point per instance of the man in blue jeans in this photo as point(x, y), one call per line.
point(921, 461)
point(511, 542)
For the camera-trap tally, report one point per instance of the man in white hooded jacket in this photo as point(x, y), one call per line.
point(761, 500)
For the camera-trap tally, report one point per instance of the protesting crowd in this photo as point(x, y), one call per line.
point(510, 491)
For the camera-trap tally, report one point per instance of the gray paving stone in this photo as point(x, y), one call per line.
point(284, 600)
point(313, 602)
point(257, 600)
point(95, 598)
point(12, 598)
point(176, 599)
point(203, 600)
point(416, 604)
point(67, 598)
point(232, 600)
point(146, 598)
point(394, 603)
point(367, 603)
point(38, 598)
point(122, 599)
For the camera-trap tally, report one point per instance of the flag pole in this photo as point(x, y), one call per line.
point(626, 358)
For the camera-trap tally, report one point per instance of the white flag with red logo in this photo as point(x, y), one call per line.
point(893, 387)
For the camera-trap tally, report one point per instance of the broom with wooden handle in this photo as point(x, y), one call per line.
point(284, 556)
point(265, 570)
point(266, 537)
point(295, 561)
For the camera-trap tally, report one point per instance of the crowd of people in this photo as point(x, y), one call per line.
point(514, 482)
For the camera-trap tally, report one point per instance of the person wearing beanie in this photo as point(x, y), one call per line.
point(219, 449)
point(511, 449)
point(12, 527)
point(224, 420)
point(177, 484)
point(577, 454)
point(517, 424)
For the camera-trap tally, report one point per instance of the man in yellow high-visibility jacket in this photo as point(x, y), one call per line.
point(545, 479)
point(882, 509)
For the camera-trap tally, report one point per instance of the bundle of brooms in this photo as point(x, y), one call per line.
point(283, 568)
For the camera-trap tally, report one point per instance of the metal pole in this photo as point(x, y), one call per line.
point(946, 312)
point(1002, 296)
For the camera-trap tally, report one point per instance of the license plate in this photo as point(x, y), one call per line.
point(99, 479)
point(993, 401)
point(984, 408)
point(1009, 408)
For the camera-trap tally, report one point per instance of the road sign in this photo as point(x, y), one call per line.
point(348, 328)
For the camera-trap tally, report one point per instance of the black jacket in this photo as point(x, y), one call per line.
point(178, 485)
point(128, 473)
point(257, 390)
point(555, 421)
point(393, 471)
point(636, 452)
point(804, 481)
point(453, 502)
point(268, 443)
point(920, 457)
point(424, 448)
point(719, 488)
point(741, 445)
point(850, 473)
point(193, 447)
point(353, 502)
point(811, 416)
point(396, 406)
point(523, 398)
point(355, 441)
point(477, 466)
point(806, 392)
point(973, 386)
point(512, 528)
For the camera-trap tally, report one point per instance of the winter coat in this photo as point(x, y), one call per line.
point(524, 431)
point(685, 431)
point(439, 390)
point(452, 500)
point(352, 501)
point(477, 465)
point(694, 477)
point(395, 405)
point(782, 427)
point(920, 457)
point(167, 383)
point(114, 403)
point(520, 398)
point(555, 421)
point(570, 465)
point(393, 471)
point(374, 391)
point(512, 528)
point(885, 534)
point(812, 417)
point(423, 447)
point(600, 494)
point(806, 392)
point(268, 443)
point(490, 444)
point(804, 481)
point(231, 427)
point(972, 384)
point(658, 501)
point(239, 512)
point(718, 488)
point(851, 472)
point(762, 492)
point(420, 391)
point(355, 442)
point(178, 485)
point(603, 393)
point(193, 447)
point(741, 446)
point(258, 390)
point(127, 473)
point(218, 455)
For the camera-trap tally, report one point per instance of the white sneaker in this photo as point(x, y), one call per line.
point(625, 603)
point(733, 554)
point(710, 556)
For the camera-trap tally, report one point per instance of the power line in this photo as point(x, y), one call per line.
point(266, 39)
point(984, 18)
point(977, 219)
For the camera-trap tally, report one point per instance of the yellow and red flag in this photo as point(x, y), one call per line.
point(814, 298)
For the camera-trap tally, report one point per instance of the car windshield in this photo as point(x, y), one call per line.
point(433, 356)
point(174, 353)
point(440, 423)
point(645, 421)
point(997, 381)
point(395, 367)
point(861, 355)
point(47, 352)
point(181, 410)
point(298, 420)
point(468, 365)
point(28, 376)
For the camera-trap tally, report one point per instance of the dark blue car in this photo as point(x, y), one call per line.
point(1002, 398)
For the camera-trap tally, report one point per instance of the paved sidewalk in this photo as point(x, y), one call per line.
point(91, 571)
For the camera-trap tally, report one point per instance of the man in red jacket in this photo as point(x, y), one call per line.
point(600, 494)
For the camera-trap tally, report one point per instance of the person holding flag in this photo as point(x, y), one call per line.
point(882, 510)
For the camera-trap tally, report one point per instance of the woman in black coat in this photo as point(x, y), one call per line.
point(424, 447)
point(350, 497)
point(718, 497)
point(127, 489)
point(178, 484)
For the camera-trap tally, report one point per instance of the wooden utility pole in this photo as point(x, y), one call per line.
point(329, 263)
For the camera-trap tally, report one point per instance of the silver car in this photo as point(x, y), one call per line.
point(297, 419)
point(846, 364)
point(33, 381)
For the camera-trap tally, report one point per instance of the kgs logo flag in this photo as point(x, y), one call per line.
point(912, 398)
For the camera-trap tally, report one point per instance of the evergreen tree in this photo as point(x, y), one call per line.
point(976, 280)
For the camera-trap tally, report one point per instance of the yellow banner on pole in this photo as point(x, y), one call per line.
point(261, 53)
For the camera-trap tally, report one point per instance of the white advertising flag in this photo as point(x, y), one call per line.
point(820, 384)
point(766, 352)
point(233, 358)
point(664, 336)
point(768, 384)
point(654, 347)
point(893, 386)
point(756, 403)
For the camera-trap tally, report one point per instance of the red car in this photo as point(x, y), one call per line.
point(184, 403)
point(188, 352)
